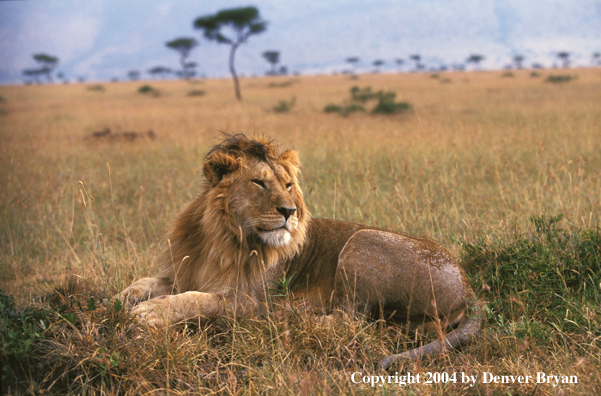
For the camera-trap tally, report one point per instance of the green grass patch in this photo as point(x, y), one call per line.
point(148, 90)
point(197, 92)
point(543, 284)
point(385, 103)
point(284, 106)
point(560, 78)
point(95, 88)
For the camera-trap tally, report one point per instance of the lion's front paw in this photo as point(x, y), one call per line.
point(157, 312)
point(131, 297)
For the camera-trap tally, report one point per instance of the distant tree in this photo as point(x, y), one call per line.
point(378, 63)
point(133, 75)
point(273, 57)
point(565, 58)
point(34, 74)
point(353, 60)
point(61, 76)
point(159, 71)
point(399, 62)
point(517, 61)
point(191, 68)
point(475, 59)
point(417, 59)
point(596, 59)
point(47, 64)
point(283, 70)
point(183, 45)
point(244, 22)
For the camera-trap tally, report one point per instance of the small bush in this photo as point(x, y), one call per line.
point(542, 284)
point(197, 92)
point(535, 74)
point(364, 94)
point(391, 107)
point(561, 78)
point(385, 104)
point(332, 108)
point(282, 84)
point(148, 90)
point(284, 106)
point(344, 110)
point(508, 74)
point(96, 88)
point(18, 330)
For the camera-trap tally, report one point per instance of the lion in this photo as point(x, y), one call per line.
point(250, 225)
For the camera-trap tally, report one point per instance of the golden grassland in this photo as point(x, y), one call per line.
point(476, 157)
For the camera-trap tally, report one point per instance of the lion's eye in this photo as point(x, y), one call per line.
point(288, 186)
point(259, 183)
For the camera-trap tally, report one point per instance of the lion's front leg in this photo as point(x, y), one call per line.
point(144, 289)
point(165, 310)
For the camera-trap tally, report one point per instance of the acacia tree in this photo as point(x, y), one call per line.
point(565, 58)
point(160, 71)
point(378, 63)
point(399, 62)
point(133, 75)
point(517, 60)
point(475, 59)
point(184, 46)
point(47, 64)
point(272, 57)
point(353, 60)
point(243, 21)
point(417, 58)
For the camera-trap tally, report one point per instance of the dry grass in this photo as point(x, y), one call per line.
point(475, 159)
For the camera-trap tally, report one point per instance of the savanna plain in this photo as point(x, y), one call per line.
point(503, 169)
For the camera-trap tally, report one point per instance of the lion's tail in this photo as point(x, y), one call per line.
point(463, 333)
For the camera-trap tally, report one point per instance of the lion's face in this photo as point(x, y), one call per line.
point(261, 195)
point(264, 202)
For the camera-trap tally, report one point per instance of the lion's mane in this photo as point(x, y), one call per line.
point(207, 249)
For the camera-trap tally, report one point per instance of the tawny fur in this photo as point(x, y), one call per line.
point(250, 225)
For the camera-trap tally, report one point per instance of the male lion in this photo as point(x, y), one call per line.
point(250, 225)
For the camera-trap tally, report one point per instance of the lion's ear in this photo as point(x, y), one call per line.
point(219, 165)
point(291, 157)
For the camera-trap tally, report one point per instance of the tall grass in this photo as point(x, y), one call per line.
point(469, 167)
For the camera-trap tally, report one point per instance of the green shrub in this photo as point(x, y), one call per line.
point(364, 94)
point(148, 90)
point(96, 87)
point(18, 330)
point(197, 92)
point(385, 104)
point(284, 106)
point(344, 110)
point(282, 84)
point(332, 108)
point(542, 284)
point(561, 78)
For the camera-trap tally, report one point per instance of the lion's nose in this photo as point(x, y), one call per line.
point(286, 212)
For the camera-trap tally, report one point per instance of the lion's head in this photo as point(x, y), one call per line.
point(258, 190)
point(251, 215)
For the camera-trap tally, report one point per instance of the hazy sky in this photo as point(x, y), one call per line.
point(102, 39)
